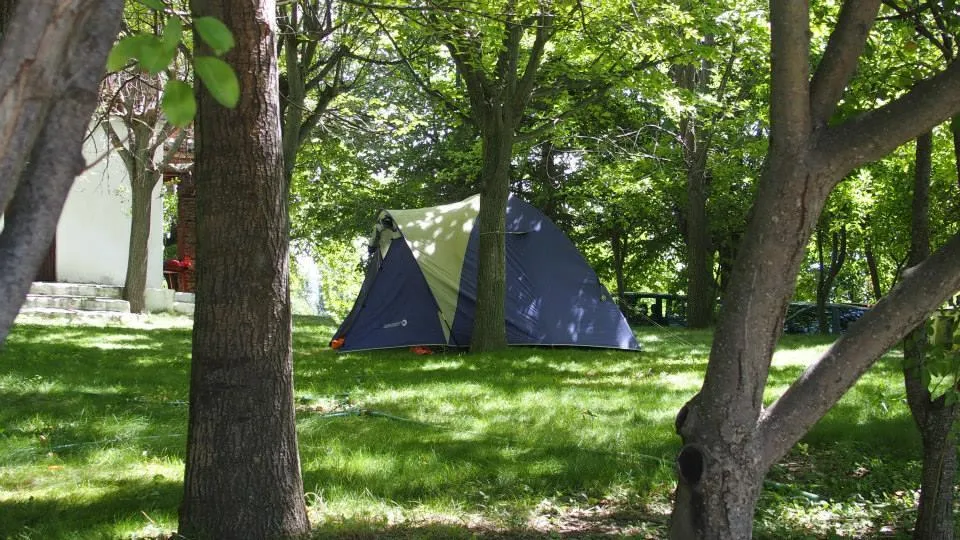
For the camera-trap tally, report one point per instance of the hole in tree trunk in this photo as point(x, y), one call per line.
point(690, 463)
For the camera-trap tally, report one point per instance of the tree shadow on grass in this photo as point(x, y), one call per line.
point(412, 467)
point(601, 521)
point(123, 505)
point(70, 399)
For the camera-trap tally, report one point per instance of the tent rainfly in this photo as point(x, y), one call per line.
point(420, 287)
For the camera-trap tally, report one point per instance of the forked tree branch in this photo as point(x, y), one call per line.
point(527, 81)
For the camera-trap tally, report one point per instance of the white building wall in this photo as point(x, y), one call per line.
point(93, 235)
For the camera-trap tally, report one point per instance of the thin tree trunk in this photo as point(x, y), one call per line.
point(700, 293)
point(242, 467)
point(489, 327)
point(955, 135)
point(934, 418)
point(619, 248)
point(874, 272)
point(135, 283)
point(828, 273)
point(699, 253)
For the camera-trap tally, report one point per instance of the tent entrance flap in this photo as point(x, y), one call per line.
point(397, 309)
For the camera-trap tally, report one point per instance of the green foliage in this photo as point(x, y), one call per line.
point(941, 369)
point(341, 274)
point(152, 53)
point(155, 52)
point(178, 102)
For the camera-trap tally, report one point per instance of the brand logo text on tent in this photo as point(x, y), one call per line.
point(395, 324)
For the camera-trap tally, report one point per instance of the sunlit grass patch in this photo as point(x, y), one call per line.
point(522, 443)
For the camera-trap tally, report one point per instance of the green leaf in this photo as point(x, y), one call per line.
point(124, 51)
point(219, 79)
point(214, 33)
point(154, 55)
point(172, 33)
point(178, 103)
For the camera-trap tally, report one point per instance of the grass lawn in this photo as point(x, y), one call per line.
point(529, 443)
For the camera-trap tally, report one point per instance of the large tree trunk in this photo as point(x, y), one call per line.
point(730, 439)
point(489, 326)
point(242, 468)
point(934, 418)
point(51, 63)
point(497, 104)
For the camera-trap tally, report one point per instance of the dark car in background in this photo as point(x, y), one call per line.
point(663, 309)
point(802, 317)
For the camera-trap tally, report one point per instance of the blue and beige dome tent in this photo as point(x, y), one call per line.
point(420, 287)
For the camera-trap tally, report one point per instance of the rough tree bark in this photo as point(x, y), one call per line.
point(934, 418)
point(489, 330)
point(496, 107)
point(729, 439)
point(51, 62)
point(7, 8)
point(242, 468)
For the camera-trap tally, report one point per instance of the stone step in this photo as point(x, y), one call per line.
point(185, 308)
point(71, 316)
point(47, 288)
point(184, 297)
point(75, 303)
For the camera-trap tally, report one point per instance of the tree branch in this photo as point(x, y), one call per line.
point(914, 17)
point(419, 81)
point(172, 151)
point(790, 74)
point(505, 71)
point(839, 61)
point(876, 133)
point(908, 304)
point(117, 143)
point(525, 87)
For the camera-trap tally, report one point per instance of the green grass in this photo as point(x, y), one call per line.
point(530, 443)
